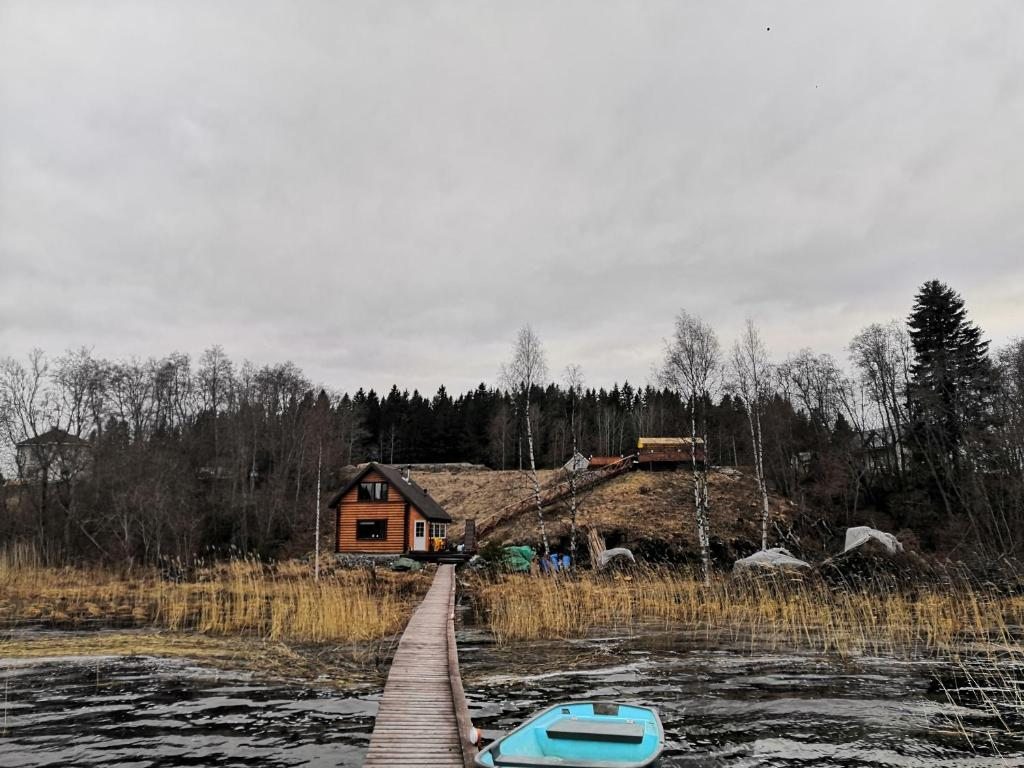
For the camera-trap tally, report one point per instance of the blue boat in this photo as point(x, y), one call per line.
point(585, 734)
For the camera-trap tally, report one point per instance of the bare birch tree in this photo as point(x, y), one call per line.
point(526, 370)
point(750, 378)
point(691, 368)
point(815, 384)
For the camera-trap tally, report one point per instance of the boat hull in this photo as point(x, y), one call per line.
point(584, 734)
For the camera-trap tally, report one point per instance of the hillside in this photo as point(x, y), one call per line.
point(649, 511)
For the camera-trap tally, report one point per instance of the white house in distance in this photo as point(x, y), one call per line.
point(53, 455)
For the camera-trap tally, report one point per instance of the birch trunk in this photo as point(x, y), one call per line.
point(574, 383)
point(536, 482)
point(754, 420)
point(316, 535)
point(572, 513)
point(573, 503)
point(765, 513)
point(706, 497)
point(699, 492)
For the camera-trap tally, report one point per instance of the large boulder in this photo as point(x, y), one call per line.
point(617, 556)
point(874, 559)
point(862, 534)
point(770, 560)
point(406, 564)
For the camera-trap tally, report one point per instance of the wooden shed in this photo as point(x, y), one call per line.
point(668, 452)
point(383, 512)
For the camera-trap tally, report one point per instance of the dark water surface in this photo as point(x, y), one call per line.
point(720, 708)
point(147, 712)
point(751, 709)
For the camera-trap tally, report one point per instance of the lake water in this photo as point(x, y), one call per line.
point(720, 708)
point(146, 712)
point(754, 709)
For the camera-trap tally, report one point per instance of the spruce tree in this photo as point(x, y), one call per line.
point(950, 381)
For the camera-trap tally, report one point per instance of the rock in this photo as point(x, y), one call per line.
point(406, 564)
point(861, 534)
point(873, 563)
point(615, 556)
point(769, 558)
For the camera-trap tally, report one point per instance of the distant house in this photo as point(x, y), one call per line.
point(53, 455)
point(577, 463)
point(383, 512)
point(668, 452)
point(878, 452)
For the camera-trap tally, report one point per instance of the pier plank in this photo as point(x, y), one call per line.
point(423, 705)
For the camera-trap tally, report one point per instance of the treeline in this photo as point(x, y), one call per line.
point(186, 456)
point(926, 430)
point(925, 435)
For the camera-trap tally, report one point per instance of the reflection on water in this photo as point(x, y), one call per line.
point(746, 709)
point(720, 708)
point(144, 712)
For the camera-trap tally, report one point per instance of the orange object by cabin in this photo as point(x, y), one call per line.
point(382, 512)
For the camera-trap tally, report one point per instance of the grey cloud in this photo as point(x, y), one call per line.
point(350, 185)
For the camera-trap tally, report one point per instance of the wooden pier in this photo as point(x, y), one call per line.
point(423, 719)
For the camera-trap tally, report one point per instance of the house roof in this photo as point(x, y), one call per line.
point(408, 489)
point(667, 442)
point(53, 437)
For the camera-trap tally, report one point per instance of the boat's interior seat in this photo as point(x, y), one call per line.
point(596, 730)
point(524, 761)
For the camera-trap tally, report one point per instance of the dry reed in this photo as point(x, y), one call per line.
point(239, 597)
point(773, 612)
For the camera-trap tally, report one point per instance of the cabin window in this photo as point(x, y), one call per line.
point(438, 530)
point(373, 491)
point(371, 530)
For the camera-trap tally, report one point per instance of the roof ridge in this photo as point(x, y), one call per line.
point(412, 492)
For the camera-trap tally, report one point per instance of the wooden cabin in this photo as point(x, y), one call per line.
point(668, 452)
point(383, 512)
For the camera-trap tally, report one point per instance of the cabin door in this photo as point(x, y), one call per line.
point(419, 538)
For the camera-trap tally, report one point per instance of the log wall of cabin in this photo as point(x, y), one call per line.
point(350, 509)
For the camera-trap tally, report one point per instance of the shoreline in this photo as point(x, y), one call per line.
point(357, 664)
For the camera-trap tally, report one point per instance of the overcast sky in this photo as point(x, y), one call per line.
point(384, 191)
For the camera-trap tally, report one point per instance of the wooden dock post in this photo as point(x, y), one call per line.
point(422, 718)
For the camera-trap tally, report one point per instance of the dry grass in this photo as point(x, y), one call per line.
point(775, 612)
point(344, 666)
point(645, 505)
point(240, 597)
